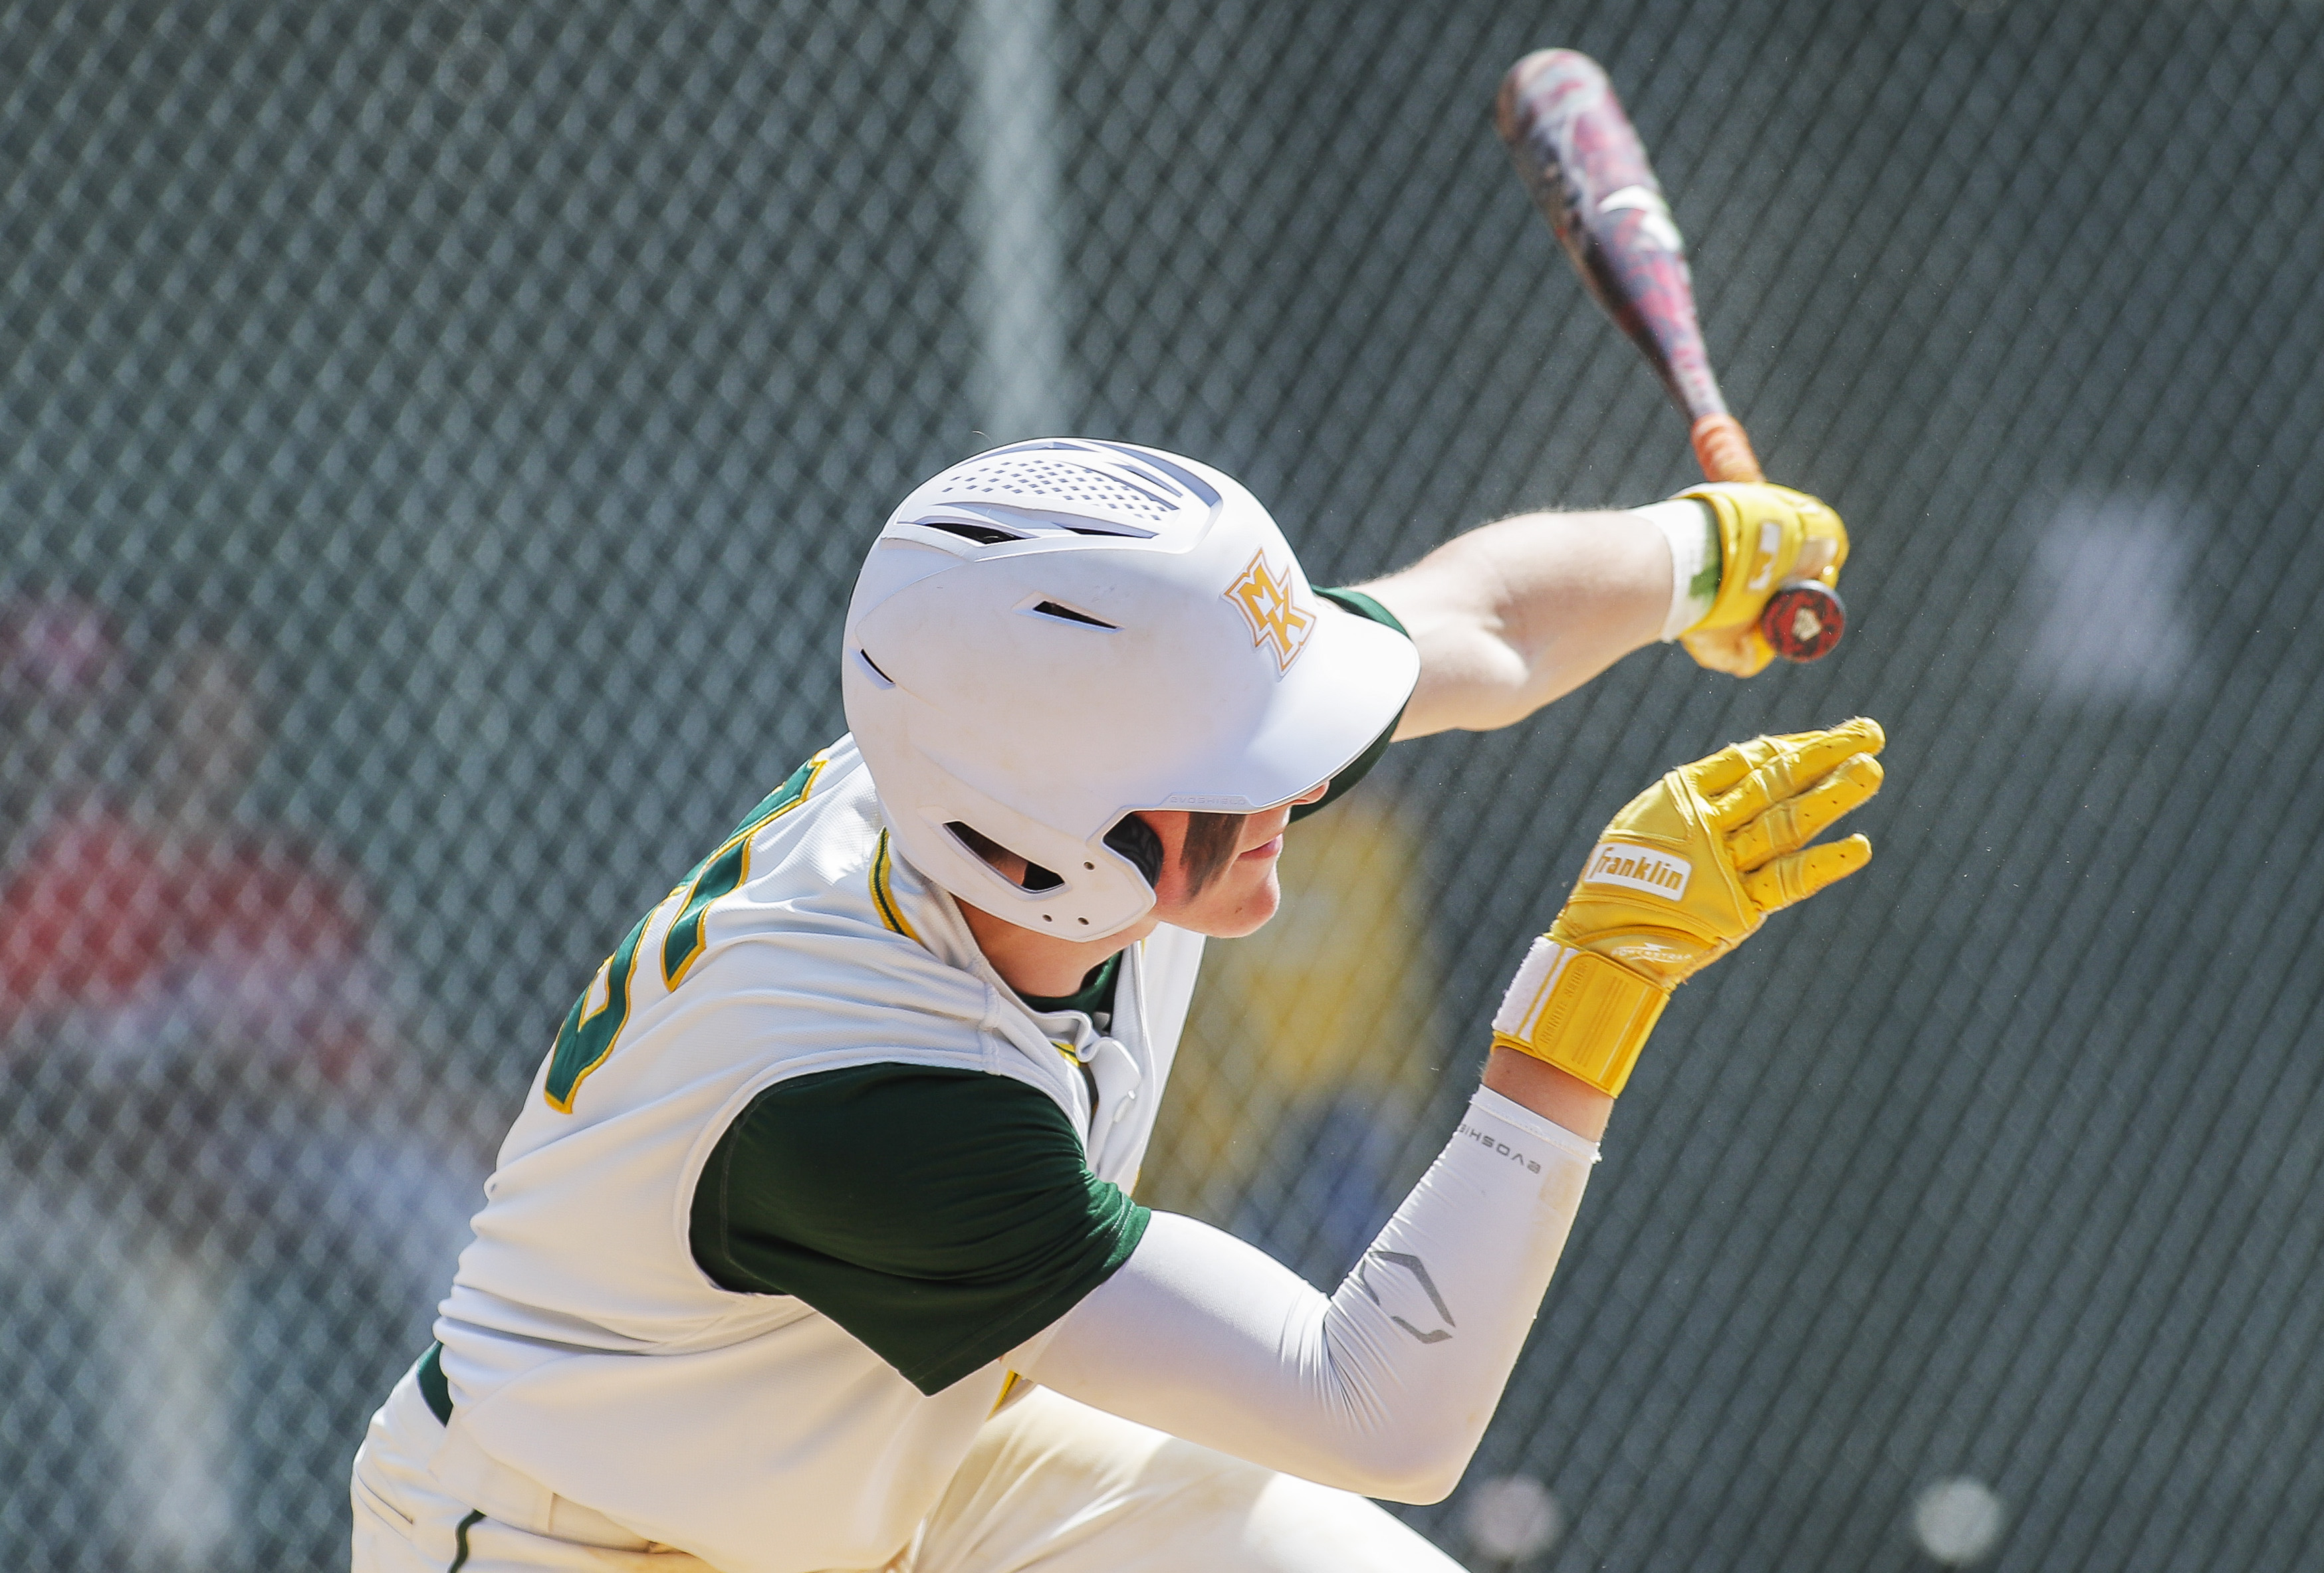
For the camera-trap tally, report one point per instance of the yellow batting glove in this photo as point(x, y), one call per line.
point(1684, 874)
point(1766, 534)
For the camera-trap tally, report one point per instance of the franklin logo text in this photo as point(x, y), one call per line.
point(1638, 869)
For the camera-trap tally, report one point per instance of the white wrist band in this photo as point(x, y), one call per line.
point(1692, 533)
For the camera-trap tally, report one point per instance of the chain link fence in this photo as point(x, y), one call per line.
point(436, 439)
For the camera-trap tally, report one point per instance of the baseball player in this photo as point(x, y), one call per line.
point(814, 1245)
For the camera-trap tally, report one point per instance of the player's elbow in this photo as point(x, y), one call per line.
point(1422, 1487)
point(1410, 1466)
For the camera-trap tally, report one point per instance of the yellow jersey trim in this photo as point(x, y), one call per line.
point(883, 896)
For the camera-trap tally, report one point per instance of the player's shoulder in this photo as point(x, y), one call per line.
point(799, 936)
point(816, 860)
point(809, 913)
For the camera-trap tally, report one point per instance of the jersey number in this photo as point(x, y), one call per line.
point(586, 1039)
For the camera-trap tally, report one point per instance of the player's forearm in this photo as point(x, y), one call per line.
point(1509, 616)
point(1559, 1098)
point(1385, 1387)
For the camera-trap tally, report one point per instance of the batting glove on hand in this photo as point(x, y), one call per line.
point(1768, 534)
point(1684, 874)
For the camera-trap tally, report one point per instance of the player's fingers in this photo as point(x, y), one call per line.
point(1730, 764)
point(1721, 770)
point(1791, 739)
point(1782, 771)
point(1794, 878)
point(1791, 823)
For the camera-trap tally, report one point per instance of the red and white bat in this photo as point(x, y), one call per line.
point(1588, 173)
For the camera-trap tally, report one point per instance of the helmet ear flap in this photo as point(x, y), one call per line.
point(1139, 841)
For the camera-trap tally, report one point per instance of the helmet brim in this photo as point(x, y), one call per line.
point(1350, 682)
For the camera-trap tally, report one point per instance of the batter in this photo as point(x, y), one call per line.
point(814, 1245)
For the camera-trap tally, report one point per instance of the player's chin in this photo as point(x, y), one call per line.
point(1250, 907)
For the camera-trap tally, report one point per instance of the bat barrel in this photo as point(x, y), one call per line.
point(1588, 172)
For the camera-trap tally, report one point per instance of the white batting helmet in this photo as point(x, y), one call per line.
point(1051, 635)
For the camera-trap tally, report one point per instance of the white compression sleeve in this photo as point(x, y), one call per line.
point(1385, 1387)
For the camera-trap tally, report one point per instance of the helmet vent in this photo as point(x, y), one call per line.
point(1093, 487)
point(983, 535)
point(999, 859)
point(1067, 614)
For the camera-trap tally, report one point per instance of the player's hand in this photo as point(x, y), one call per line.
point(1768, 534)
point(1684, 874)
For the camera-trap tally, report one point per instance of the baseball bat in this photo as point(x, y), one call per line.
point(1588, 173)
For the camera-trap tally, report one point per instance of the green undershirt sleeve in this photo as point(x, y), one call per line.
point(941, 1217)
point(1362, 605)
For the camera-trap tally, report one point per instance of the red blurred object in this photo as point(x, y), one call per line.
point(128, 931)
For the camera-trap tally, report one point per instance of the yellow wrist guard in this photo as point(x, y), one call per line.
point(1687, 871)
point(1580, 1012)
point(1768, 534)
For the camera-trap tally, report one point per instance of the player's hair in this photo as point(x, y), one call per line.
point(1208, 848)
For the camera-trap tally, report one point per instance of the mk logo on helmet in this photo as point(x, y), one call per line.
point(1265, 602)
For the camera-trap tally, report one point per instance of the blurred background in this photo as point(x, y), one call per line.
point(436, 440)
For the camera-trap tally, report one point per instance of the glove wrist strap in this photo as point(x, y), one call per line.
point(1580, 1012)
point(1752, 537)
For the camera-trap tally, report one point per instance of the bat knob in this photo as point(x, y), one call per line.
point(1804, 619)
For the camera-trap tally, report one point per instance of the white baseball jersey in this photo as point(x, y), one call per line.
point(586, 1351)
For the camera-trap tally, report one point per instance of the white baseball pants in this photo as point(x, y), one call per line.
point(1050, 1485)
